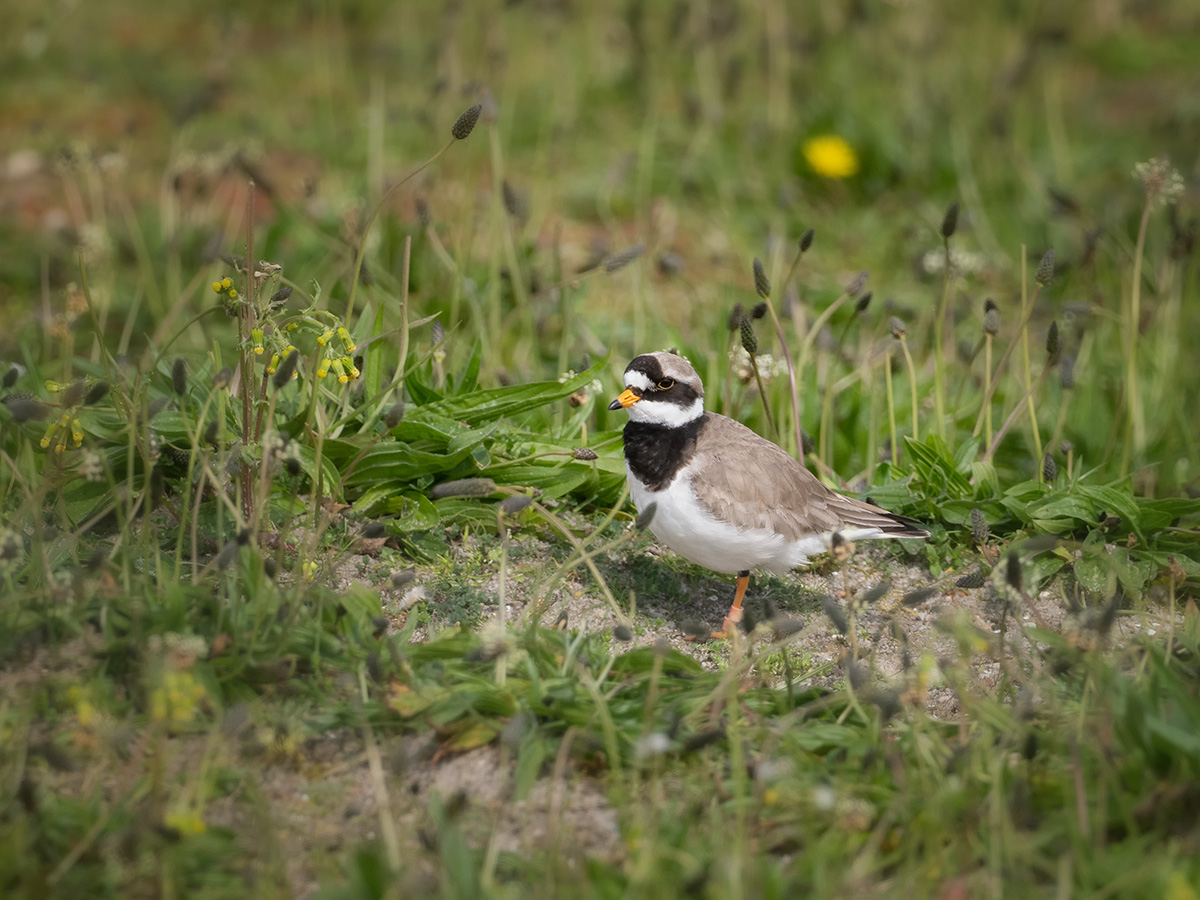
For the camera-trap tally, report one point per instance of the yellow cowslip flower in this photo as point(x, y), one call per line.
point(831, 156)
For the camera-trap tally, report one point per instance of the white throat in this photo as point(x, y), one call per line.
point(661, 412)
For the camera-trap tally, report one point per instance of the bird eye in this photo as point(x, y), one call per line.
point(666, 384)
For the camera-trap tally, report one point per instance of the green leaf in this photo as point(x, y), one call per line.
point(958, 512)
point(172, 427)
point(1179, 740)
point(477, 515)
point(1043, 567)
point(641, 660)
point(1113, 501)
point(330, 479)
point(474, 734)
point(409, 702)
point(487, 406)
point(552, 481)
point(1065, 507)
point(1026, 491)
point(530, 756)
point(937, 468)
point(413, 511)
point(399, 461)
point(1156, 514)
point(430, 428)
point(86, 498)
point(1094, 574)
point(468, 379)
point(987, 483)
point(374, 363)
point(1059, 514)
point(422, 392)
point(468, 438)
point(1019, 498)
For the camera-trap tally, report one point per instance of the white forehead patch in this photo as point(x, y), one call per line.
point(636, 379)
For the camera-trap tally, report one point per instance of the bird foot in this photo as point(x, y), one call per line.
point(728, 627)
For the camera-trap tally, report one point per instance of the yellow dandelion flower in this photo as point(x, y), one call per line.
point(831, 156)
point(185, 822)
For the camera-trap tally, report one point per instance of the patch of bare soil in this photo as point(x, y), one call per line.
point(326, 801)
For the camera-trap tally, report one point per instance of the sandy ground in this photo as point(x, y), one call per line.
point(320, 796)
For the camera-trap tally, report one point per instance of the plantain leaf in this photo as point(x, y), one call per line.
point(937, 468)
point(308, 462)
point(474, 734)
point(487, 406)
point(398, 461)
point(1111, 500)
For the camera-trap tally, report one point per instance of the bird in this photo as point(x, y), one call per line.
point(722, 496)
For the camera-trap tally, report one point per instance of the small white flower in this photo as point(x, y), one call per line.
point(92, 466)
point(962, 262)
point(823, 797)
point(768, 366)
point(654, 744)
point(1160, 179)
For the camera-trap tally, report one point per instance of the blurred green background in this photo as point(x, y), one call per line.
point(131, 129)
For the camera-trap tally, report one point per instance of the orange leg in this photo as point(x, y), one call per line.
point(734, 616)
point(735, 612)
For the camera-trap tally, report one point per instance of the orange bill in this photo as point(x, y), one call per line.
point(626, 400)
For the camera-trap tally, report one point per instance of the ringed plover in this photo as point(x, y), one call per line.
point(726, 498)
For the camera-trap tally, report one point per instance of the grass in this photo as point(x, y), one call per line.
point(215, 679)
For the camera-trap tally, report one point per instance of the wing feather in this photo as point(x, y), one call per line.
point(776, 493)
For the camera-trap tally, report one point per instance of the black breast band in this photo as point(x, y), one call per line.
point(656, 453)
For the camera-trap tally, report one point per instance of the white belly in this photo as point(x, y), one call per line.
point(690, 530)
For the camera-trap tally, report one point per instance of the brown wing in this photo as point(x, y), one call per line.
point(746, 480)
